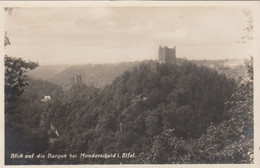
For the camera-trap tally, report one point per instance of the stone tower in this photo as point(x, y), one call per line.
point(167, 55)
point(77, 79)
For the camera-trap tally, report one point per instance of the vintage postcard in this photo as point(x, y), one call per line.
point(130, 84)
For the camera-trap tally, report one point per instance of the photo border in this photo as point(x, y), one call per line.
point(253, 5)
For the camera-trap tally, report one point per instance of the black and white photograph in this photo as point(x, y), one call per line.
point(129, 83)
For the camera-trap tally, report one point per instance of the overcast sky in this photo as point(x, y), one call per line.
point(118, 34)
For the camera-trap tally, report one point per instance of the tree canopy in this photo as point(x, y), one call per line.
point(132, 114)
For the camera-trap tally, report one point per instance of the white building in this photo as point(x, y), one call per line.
point(46, 98)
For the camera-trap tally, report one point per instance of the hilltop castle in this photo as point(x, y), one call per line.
point(77, 79)
point(167, 55)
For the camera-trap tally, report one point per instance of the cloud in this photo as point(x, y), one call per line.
point(121, 32)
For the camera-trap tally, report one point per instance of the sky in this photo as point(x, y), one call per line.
point(81, 35)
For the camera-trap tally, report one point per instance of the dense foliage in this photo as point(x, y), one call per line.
point(15, 79)
point(164, 113)
point(231, 141)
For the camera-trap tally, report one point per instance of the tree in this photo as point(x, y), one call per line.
point(15, 79)
point(250, 69)
point(6, 41)
point(232, 139)
point(248, 29)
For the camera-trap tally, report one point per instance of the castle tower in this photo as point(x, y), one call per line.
point(167, 55)
point(77, 79)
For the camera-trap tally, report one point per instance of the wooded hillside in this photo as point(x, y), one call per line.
point(153, 104)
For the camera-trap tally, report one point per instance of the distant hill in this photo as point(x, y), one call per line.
point(98, 75)
point(44, 72)
point(232, 68)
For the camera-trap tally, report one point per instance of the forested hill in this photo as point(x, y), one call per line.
point(100, 75)
point(139, 105)
point(45, 72)
point(233, 68)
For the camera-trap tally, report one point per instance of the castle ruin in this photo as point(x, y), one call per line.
point(77, 79)
point(167, 55)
